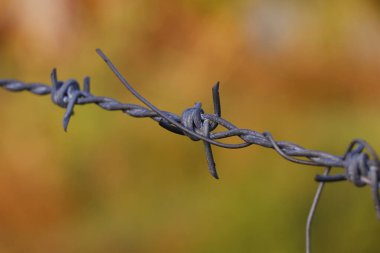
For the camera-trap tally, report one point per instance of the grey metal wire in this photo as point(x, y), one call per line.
point(312, 211)
point(360, 162)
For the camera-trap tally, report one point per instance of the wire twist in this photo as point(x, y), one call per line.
point(360, 162)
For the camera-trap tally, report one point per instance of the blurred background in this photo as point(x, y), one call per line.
point(307, 71)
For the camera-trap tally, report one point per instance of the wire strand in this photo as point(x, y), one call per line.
point(360, 163)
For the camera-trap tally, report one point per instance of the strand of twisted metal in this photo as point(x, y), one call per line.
point(360, 162)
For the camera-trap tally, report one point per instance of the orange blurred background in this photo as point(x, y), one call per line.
point(308, 72)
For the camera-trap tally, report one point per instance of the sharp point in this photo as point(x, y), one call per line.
point(53, 74)
point(215, 175)
point(216, 86)
point(65, 123)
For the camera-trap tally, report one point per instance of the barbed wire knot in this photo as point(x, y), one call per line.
point(192, 119)
point(66, 94)
point(359, 169)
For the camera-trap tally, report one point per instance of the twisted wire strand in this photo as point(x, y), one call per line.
point(360, 162)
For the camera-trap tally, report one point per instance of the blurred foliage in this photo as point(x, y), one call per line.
point(305, 70)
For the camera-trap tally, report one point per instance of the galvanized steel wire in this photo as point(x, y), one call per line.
point(360, 162)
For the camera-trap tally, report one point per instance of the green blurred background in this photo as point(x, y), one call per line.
point(307, 71)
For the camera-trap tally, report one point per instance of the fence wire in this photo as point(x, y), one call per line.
point(360, 162)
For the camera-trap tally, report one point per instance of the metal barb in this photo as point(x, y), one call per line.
point(208, 150)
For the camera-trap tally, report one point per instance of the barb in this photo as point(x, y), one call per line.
point(360, 162)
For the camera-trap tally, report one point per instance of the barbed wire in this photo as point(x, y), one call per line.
point(360, 162)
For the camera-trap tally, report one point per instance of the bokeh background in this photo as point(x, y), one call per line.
point(307, 71)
